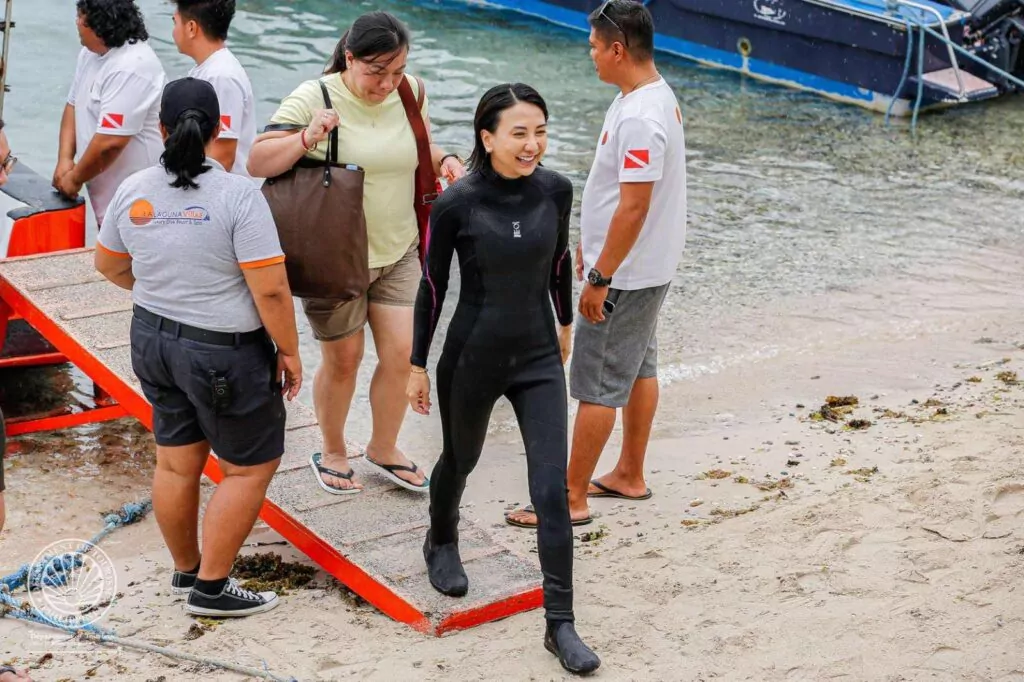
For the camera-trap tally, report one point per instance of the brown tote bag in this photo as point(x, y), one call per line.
point(318, 209)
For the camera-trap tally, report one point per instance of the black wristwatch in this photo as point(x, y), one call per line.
point(597, 279)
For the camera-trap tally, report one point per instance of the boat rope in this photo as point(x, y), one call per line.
point(11, 607)
point(906, 72)
point(920, 81)
point(52, 571)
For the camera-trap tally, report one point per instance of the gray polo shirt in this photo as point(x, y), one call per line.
point(189, 247)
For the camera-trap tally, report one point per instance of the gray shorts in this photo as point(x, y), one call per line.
point(608, 357)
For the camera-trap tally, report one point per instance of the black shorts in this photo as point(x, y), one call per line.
point(179, 377)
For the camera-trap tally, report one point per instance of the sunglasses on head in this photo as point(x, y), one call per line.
point(602, 13)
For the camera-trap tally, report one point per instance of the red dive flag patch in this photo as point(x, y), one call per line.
point(225, 122)
point(637, 158)
point(112, 121)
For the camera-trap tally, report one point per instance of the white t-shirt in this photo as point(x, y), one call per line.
point(237, 108)
point(641, 141)
point(118, 93)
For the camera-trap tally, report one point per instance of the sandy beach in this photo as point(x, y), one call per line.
point(779, 544)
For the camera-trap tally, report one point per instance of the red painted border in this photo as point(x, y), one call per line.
point(18, 427)
point(462, 620)
point(33, 360)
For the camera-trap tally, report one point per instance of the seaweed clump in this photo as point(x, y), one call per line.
point(268, 572)
point(835, 409)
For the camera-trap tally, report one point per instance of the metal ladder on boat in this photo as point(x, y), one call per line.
point(5, 26)
point(967, 86)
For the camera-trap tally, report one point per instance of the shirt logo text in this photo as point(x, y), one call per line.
point(142, 213)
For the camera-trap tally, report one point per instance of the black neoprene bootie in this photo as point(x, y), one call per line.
point(575, 656)
point(444, 567)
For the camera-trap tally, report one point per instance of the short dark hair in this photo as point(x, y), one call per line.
point(488, 112)
point(115, 22)
point(373, 36)
point(213, 16)
point(628, 22)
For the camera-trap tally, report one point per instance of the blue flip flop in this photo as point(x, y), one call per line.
point(318, 468)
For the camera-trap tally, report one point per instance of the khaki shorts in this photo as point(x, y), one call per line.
point(394, 284)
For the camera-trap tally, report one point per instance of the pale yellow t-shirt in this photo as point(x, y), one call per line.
point(379, 138)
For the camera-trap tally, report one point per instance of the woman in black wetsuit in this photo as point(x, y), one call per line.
point(508, 221)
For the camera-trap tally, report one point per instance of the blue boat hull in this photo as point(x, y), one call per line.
point(849, 51)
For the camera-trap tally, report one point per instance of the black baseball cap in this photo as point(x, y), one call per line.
point(188, 93)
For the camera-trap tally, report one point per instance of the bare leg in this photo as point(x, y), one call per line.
point(334, 385)
point(637, 417)
point(176, 500)
point(593, 428)
point(3, 509)
point(392, 336)
point(231, 514)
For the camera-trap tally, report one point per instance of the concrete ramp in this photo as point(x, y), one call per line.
point(371, 542)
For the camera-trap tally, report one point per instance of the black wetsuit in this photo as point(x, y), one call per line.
point(512, 239)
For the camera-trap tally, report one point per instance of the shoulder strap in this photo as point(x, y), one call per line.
point(332, 138)
point(426, 179)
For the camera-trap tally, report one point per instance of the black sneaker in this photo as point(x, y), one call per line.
point(233, 601)
point(181, 582)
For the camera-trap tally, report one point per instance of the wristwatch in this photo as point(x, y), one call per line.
point(597, 279)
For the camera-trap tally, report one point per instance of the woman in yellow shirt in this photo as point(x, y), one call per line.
point(373, 132)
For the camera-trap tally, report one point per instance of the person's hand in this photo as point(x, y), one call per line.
point(592, 302)
point(565, 342)
point(579, 262)
point(452, 169)
point(324, 121)
point(68, 186)
point(63, 167)
point(418, 392)
point(289, 370)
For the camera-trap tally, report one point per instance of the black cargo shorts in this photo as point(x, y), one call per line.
point(223, 393)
